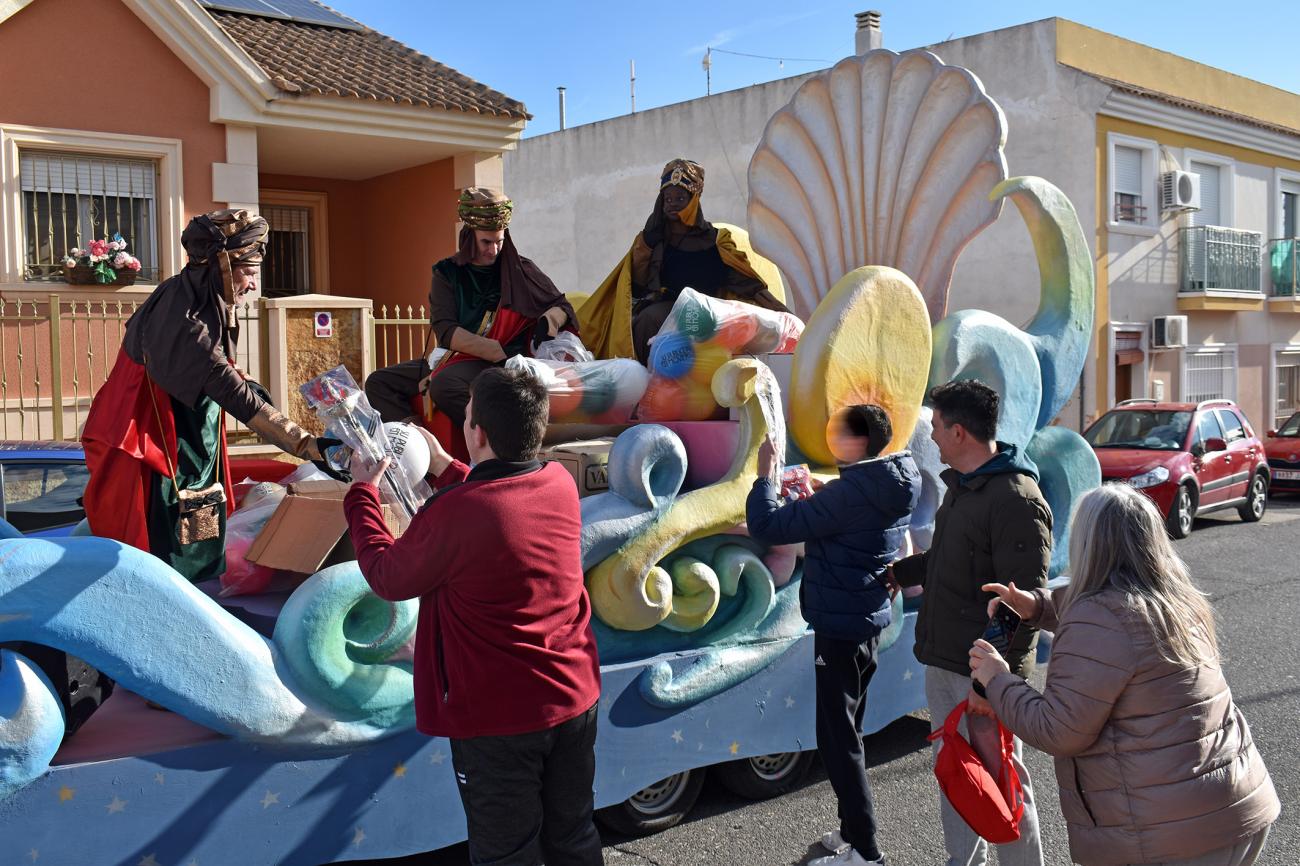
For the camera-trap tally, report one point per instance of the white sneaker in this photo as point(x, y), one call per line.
point(847, 857)
point(834, 842)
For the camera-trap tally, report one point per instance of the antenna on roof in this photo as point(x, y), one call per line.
point(632, 64)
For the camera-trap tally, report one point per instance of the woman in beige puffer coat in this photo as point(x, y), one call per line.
point(1154, 761)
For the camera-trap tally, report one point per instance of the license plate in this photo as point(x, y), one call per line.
point(1286, 474)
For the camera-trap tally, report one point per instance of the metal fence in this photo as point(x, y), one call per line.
point(1283, 258)
point(55, 354)
point(1220, 259)
point(398, 337)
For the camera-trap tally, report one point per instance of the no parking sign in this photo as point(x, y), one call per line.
point(324, 324)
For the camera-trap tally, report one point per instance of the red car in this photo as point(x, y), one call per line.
point(1283, 450)
point(1190, 458)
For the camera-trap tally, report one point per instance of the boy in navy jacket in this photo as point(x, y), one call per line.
point(852, 528)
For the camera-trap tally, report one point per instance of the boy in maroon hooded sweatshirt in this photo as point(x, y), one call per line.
point(505, 659)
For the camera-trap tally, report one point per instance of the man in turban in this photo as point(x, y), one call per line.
point(155, 435)
point(677, 248)
point(486, 303)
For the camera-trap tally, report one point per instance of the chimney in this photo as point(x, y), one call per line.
point(561, 92)
point(868, 36)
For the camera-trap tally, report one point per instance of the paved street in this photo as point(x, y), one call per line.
point(1250, 571)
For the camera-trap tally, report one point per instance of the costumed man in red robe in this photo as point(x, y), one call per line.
point(155, 436)
point(486, 303)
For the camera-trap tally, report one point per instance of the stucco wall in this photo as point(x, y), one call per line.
point(92, 65)
point(386, 232)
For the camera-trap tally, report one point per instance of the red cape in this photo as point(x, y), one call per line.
point(127, 442)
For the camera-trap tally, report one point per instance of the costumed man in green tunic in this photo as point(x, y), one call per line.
point(486, 304)
point(155, 435)
point(677, 248)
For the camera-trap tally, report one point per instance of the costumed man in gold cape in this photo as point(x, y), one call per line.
point(677, 248)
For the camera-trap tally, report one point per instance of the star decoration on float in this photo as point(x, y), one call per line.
point(160, 778)
point(34, 854)
point(149, 860)
point(66, 794)
point(358, 837)
point(116, 805)
point(269, 799)
point(399, 771)
point(677, 736)
point(437, 757)
point(789, 702)
point(734, 748)
point(907, 675)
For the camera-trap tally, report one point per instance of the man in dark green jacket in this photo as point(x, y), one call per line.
point(993, 525)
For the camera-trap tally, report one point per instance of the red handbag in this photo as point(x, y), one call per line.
point(992, 807)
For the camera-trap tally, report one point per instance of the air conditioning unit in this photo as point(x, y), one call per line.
point(1168, 332)
point(1180, 191)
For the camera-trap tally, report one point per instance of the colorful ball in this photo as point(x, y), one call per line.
point(698, 403)
point(631, 380)
point(599, 388)
point(694, 318)
point(672, 354)
point(735, 332)
point(567, 396)
point(664, 400)
point(708, 358)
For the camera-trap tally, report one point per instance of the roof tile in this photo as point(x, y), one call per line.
point(358, 64)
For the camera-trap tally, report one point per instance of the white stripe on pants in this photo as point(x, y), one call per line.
point(943, 691)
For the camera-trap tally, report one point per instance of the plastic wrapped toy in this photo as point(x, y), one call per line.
point(242, 577)
point(341, 404)
point(699, 336)
point(598, 392)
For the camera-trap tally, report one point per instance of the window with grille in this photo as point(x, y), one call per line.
point(287, 268)
point(1286, 373)
point(1210, 374)
point(1128, 185)
point(71, 199)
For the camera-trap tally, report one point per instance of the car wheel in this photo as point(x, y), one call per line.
point(1182, 512)
point(765, 776)
point(1256, 499)
point(656, 807)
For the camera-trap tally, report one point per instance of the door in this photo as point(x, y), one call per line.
point(1211, 467)
point(1241, 455)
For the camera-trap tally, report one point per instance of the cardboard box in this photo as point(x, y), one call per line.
point(587, 461)
point(308, 530)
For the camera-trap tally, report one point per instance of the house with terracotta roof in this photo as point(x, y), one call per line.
point(353, 145)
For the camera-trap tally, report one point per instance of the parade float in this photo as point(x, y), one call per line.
point(293, 742)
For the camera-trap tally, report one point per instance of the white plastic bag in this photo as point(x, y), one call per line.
point(564, 346)
point(599, 392)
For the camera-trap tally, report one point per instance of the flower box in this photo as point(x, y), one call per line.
point(84, 275)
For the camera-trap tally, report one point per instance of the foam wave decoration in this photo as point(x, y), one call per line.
point(1035, 369)
point(884, 159)
point(976, 344)
point(629, 589)
point(1061, 329)
point(31, 722)
point(325, 681)
point(1067, 468)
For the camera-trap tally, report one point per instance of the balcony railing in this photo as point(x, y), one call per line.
point(1283, 259)
point(1214, 258)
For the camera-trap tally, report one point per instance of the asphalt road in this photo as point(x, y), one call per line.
point(1252, 573)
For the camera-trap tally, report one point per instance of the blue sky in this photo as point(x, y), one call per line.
point(525, 48)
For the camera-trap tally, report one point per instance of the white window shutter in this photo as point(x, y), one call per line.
point(1209, 214)
point(1128, 170)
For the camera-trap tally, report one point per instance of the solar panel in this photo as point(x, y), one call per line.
point(302, 11)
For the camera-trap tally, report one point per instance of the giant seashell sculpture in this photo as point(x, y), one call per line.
point(884, 159)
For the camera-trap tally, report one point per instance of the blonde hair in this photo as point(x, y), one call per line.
point(1118, 541)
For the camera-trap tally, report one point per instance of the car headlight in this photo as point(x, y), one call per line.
point(1151, 478)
